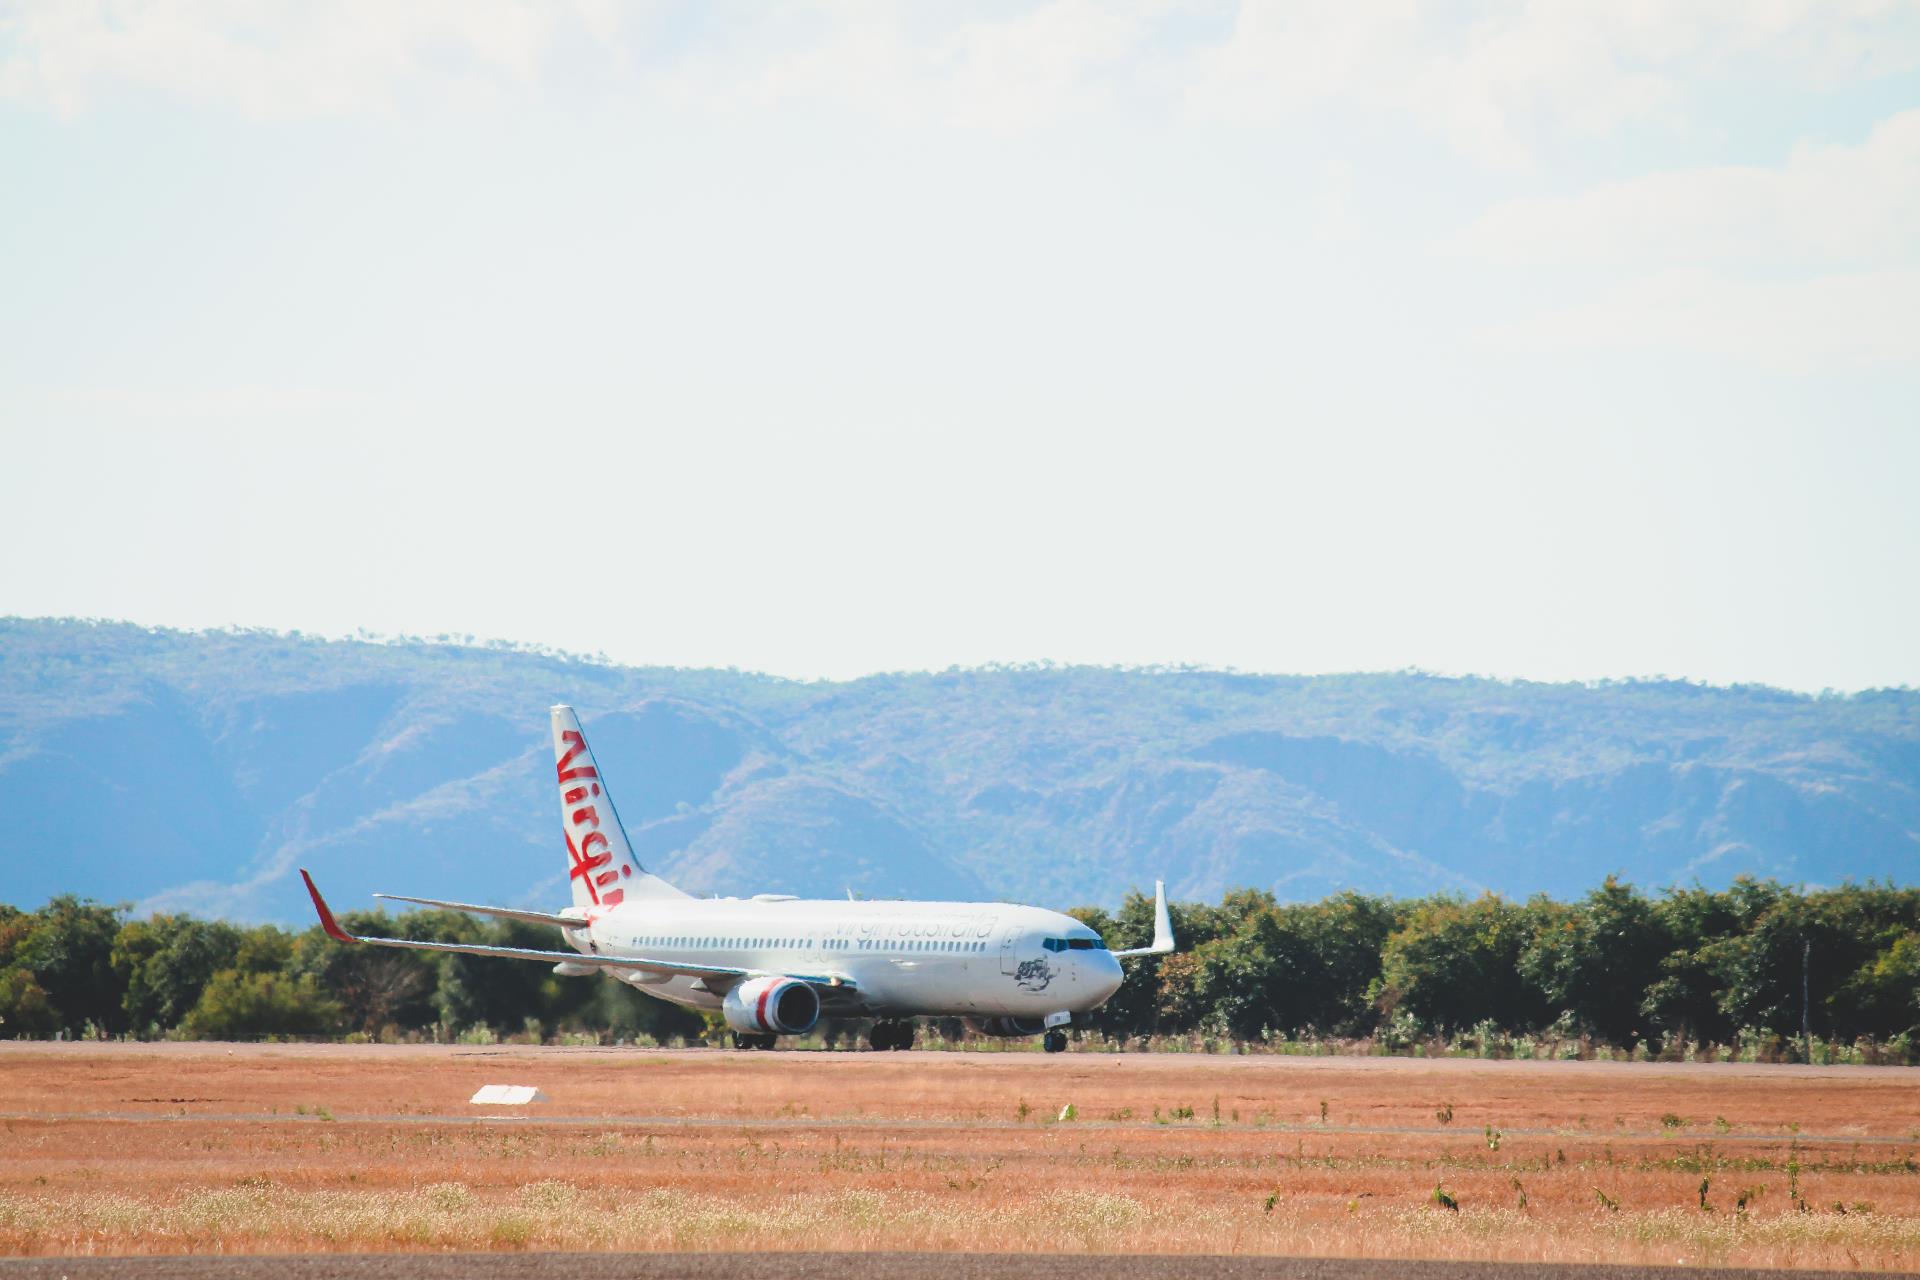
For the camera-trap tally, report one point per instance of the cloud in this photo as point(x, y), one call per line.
point(1487, 85)
point(1813, 262)
point(1511, 76)
point(1832, 204)
point(269, 59)
point(1497, 79)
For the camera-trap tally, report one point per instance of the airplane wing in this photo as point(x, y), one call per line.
point(1162, 928)
point(558, 921)
point(720, 975)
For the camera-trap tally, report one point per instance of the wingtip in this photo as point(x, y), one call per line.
point(327, 922)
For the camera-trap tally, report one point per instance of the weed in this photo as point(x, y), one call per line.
point(1323, 1111)
point(1672, 1120)
point(1445, 1114)
point(1023, 1110)
point(1493, 1137)
point(1607, 1202)
point(1705, 1184)
point(1444, 1198)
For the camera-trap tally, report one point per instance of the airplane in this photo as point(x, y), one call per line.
point(775, 964)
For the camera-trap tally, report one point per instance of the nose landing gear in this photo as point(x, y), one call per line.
point(1055, 1041)
point(891, 1035)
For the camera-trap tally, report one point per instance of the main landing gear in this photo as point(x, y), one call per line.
point(1055, 1041)
point(891, 1035)
point(748, 1040)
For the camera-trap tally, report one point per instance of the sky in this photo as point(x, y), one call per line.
point(1537, 340)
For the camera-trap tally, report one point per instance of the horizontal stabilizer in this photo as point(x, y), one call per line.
point(558, 921)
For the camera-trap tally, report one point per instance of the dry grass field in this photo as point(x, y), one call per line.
point(115, 1149)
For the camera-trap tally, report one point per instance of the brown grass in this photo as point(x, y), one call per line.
point(173, 1148)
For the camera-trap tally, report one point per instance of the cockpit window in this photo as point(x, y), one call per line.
point(1074, 944)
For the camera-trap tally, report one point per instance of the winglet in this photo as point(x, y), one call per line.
point(1162, 922)
point(327, 921)
point(1162, 927)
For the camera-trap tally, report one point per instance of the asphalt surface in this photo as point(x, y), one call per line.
point(824, 1266)
point(813, 1124)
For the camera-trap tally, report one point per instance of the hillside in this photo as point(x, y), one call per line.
point(194, 771)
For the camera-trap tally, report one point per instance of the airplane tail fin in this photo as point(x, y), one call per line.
point(601, 865)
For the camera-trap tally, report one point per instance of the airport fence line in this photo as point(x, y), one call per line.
point(1754, 972)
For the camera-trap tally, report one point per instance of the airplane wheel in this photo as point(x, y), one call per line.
point(1055, 1042)
point(891, 1035)
point(767, 1042)
point(739, 1041)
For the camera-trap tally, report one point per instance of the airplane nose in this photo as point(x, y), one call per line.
point(1107, 975)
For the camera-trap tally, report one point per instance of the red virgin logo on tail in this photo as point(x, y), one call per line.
point(592, 857)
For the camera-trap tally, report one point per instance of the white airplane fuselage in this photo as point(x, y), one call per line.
point(984, 959)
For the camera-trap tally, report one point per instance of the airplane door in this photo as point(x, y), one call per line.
point(1009, 963)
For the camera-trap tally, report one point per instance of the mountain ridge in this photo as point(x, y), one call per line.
point(191, 770)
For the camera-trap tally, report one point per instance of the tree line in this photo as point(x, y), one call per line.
point(1757, 962)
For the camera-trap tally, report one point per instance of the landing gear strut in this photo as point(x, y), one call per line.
point(891, 1035)
point(1055, 1041)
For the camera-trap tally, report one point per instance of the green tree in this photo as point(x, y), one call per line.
point(25, 1009)
point(68, 949)
point(1454, 964)
point(1285, 970)
point(1782, 939)
point(1684, 997)
point(165, 962)
point(1596, 958)
point(1885, 992)
point(381, 987)
point(237, 1004)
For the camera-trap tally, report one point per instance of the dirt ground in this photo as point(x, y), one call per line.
point(118, 1149)
point(814, 1266)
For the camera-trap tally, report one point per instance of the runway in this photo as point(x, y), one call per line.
point(830, 1266)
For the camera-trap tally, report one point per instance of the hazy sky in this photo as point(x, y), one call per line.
point(1544, 340)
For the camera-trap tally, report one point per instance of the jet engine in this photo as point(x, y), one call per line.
point(772, 1006)
point(1006, 1027)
